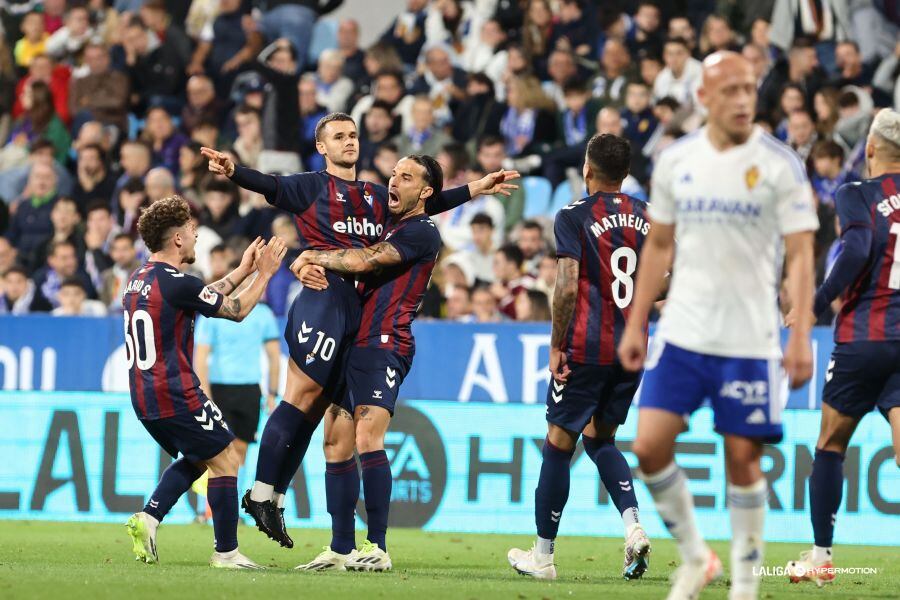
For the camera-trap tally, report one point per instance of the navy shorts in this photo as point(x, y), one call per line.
point(374, 376)
point(862, 376)
point(747, 394)
point(321, 327)
point(198, 436)
point(592, 390)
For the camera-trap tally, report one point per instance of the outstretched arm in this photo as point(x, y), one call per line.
point(492, 183)
point(350, 261)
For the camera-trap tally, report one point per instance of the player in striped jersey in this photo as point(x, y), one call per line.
point(864, 372)
point(160, 304)
point(395, 273)
point(598, 240)
point(332, 210)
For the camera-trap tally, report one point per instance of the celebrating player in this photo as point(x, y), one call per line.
point(160, 304)
point(865, 365)
point(396, 272)
point(597, 242)
point(730, 193)
point(332, 211)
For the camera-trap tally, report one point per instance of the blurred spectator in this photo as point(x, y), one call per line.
point(100, 229)
point(682, 76)
point(160, 183)
point(801, 132)
point(487, 54)
point(348, 45)
point(386, 157)
point(609, 85)
point(135, 158)
point(640, 122)
point(67, 42)
point(130, 202)
point(490, 157)
point(226, 44)
point(195, 174)
point(155, 16)
point(792, 99)
point(294, 20)
point(284, 285)
point(94, 179)
point(537, 33)
point(479, 114)
point(561, 68)
point(9, 256)
point(716, 36)
point(30, 225)
point(680, 27)
point(546, 274)
point(572, 31)
point(532, 305)
point(828, 173)
point(202, 103)
point(759, 59)
point(509, 280)
point(206, 133)
point(854, 117)
point(65, 221)
point(529, 126)
point(73, 301)
point(333, 89)
point(825, 104)
point(278, 65)
point(800, 67)
point(14, 179)
point(248, 143)
point(824, 22)
point(484, 306)
point(644, 33)
point(443, 83)
point(62, 263)
point(851, 69)
point(54, 11)
point(479, 254)
point(379, 57)
point(33, 41)
point(220, 212)
point(43, 69)
point(40, 120)
point(458, 304)
point(406, 33)
point(99, 93)
point(423, 137)
point(389, 88)
point(378, 123)
point(887, 77)
point(310, 112)
point(577, 123)
point(155, 70)
point(17, 296)
point(165, 141)
point(532, 244)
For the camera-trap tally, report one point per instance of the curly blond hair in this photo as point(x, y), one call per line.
point(160, 217)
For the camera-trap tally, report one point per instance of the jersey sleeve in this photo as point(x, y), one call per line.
point(795, 204)
point(295, 193)
point(186, 292)
point(851, 206)
point(204, 332)
point(567, 234)
point(662, 200)
point(269, 324)
point(416, 241)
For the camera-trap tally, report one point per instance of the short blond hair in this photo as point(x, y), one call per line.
point(885, 130)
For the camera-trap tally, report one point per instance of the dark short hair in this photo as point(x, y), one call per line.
point(459, 157)
point(16, 269)
point(483, 80)
point(677, 39)
point(828, 149)
point(512, 253)
point(223, 186)
point(395, 75)
point(39, 144)
point(532, 224)
point(669, 102)
point(246, 109)
point(218, 249)
point(574, 85)
point(133, 185)
point(124, 236)
point(490, 140)
point(97, 204)
point(482, 219)
point(160, 217)
point(98, 148)
point(381, 104)
point(331, 118)
point(434, 174)
point(848, 99)
point(609, 156)
point(72, 282)
point(54, 246)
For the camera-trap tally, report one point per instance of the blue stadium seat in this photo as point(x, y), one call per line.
point(561, 197)
point(537, 195)
point(324, 37)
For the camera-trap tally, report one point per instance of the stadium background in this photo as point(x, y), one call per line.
point(465, 446)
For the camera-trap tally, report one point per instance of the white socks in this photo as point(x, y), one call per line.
point(260, 492)
point(747, 507)
point(278, 499)
point(544, 547)
point(629, 518)
point(820, 555)
point(676, 507)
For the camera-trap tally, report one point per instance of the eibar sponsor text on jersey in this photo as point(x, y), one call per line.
point(355, 226)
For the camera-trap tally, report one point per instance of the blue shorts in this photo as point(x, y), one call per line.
point(198, 436)
point(592, 390)
point(321, 327)
point(748, 394)
point(862, 376)
point(373, 377)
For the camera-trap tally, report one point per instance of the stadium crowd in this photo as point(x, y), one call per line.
point(104, 106)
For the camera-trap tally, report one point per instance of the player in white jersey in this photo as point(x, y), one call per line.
point(730, 194)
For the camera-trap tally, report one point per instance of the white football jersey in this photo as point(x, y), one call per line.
point(730, 210)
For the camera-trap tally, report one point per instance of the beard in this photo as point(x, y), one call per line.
point(345, 164)
point(189, 260)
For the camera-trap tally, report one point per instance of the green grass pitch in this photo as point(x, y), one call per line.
point(93, 561)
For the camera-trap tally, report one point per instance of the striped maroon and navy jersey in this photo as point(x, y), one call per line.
point(391, 298)
point(604, 233)
point(871, 309)
point(160, 305)
point(331, 212)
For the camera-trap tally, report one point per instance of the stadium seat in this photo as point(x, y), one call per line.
point(561, 197)
point(324, 37)
point(537, 195)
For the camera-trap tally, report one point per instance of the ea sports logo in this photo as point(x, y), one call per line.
point(418, 468)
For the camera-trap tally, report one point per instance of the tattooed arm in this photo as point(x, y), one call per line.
point(564, 297)
point(351, 261)
point(233, 280)
point(236, 307)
